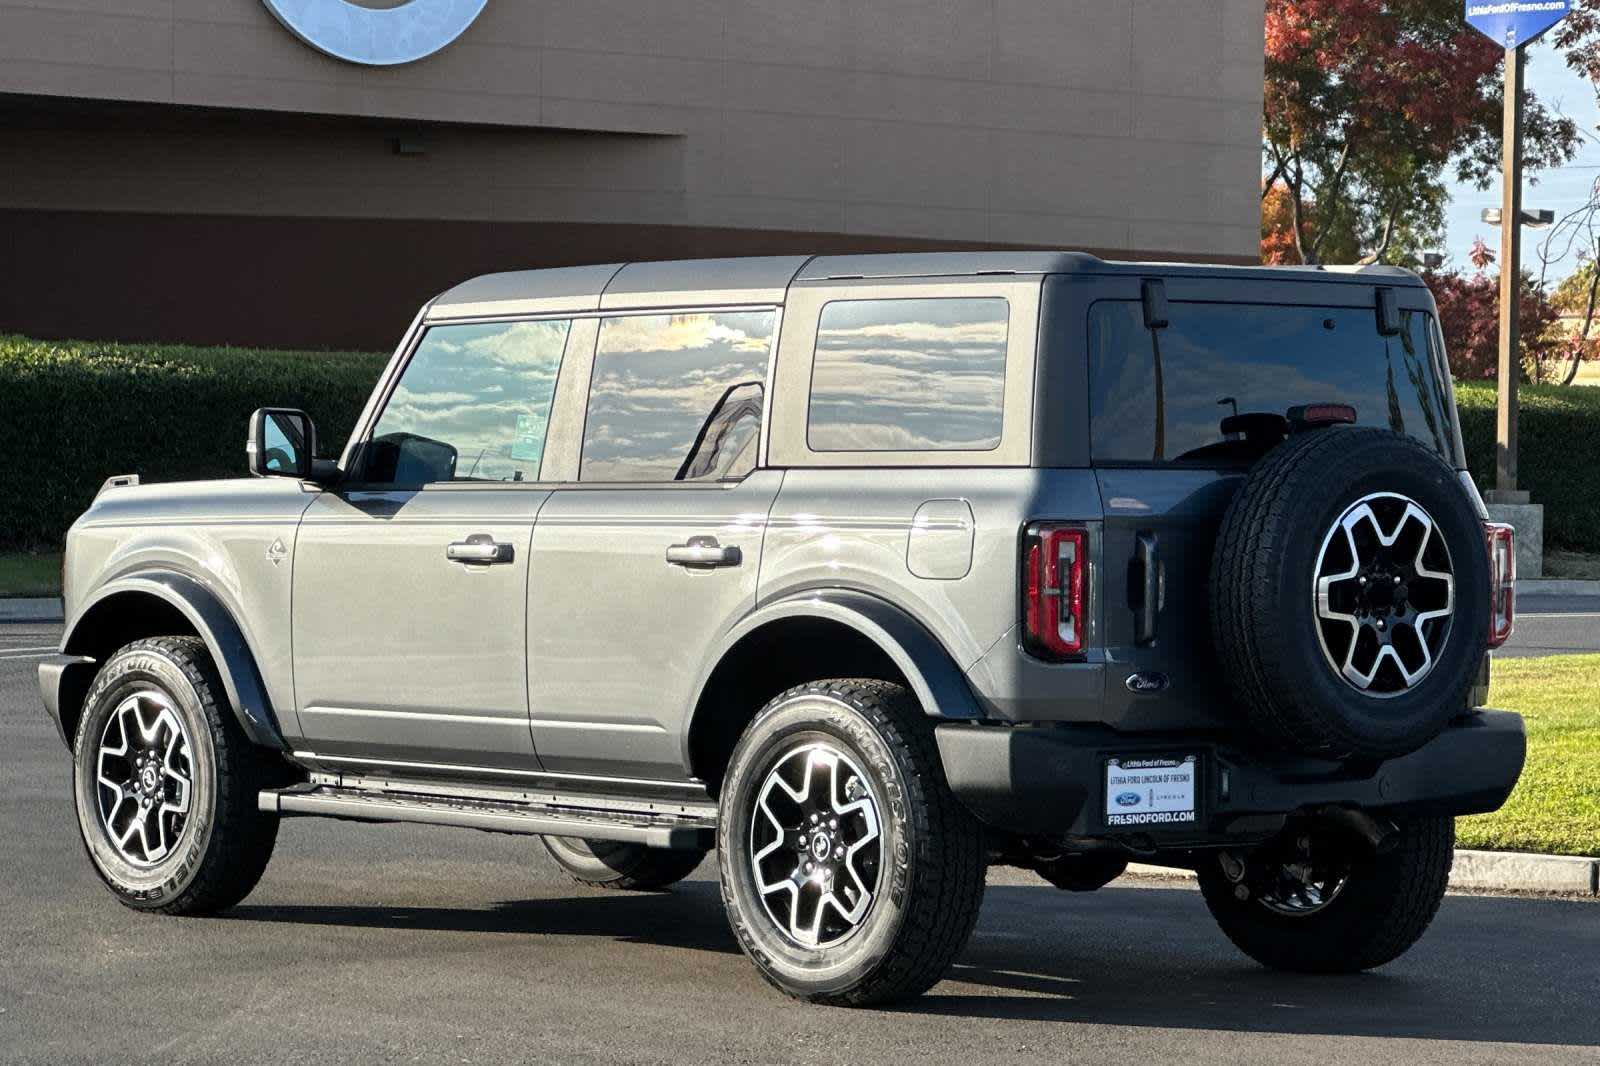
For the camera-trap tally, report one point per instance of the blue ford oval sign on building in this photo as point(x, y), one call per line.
point(1513, 23)
point(378, 37)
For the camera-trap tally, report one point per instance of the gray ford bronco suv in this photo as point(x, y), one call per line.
point(865, 572)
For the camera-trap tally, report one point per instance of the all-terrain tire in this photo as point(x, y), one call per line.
point(1263, 595)
point(930, 882)
point(1384, 907)
point(225, 842)
point(616, 865)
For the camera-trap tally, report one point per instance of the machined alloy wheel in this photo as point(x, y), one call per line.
point(850, 872)
point(165, 782)
point(144, 776)
point(1385, 594)
point(815, 846)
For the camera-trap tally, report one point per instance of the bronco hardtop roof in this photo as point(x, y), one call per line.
point(766, 279)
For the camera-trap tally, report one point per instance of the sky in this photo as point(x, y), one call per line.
point(1549, 78)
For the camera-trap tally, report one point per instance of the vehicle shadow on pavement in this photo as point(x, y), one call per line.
point(689, 915)
point(1488, 969)
point(1515, 970)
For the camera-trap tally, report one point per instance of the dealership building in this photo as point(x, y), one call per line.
point(307, 172)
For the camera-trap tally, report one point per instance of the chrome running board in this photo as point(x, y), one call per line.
point(588, 817)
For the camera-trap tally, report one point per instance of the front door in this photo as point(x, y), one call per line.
point(645, 563)
point(411, 581)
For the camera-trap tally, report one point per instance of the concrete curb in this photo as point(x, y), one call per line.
point(1556, 586)
point(30, 609)
point(1494, 871)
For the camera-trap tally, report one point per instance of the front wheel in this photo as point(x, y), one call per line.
point(851, 874)
point(1316, 902)
point(166, 782)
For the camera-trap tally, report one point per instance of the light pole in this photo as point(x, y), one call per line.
point(1512, 25)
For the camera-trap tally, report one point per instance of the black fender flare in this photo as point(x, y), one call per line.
point(935, 679)
point(211, 619)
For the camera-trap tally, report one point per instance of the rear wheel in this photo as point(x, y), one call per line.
point(1316, 901)
point(611, 864)
point(165, 782)
point(850, 872)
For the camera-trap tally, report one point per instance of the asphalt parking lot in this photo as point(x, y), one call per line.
point(413, 944)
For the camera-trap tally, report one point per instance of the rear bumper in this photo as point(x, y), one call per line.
point(1048, 781)
point(63, 682)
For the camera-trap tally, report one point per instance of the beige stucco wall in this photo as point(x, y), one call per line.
point(1112, 124)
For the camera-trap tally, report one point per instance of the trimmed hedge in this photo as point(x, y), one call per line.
point(74, 413)
point(1558, 454)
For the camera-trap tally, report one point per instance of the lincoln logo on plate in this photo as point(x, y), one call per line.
point(377, 36)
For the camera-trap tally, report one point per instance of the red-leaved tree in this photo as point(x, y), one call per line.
point(1368, 104)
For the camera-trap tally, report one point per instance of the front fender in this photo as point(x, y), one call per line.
point(229, 649)
point(933, 675)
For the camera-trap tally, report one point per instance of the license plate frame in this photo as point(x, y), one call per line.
point(1151, 792)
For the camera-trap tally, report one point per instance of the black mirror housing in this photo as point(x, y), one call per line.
point(282, 443)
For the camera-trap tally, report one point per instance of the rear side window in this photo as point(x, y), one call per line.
point(473, 404)
point(1163, 395)
point(909, 375)
point(677, 397)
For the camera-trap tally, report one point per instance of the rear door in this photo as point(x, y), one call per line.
point(1183, 399)
point(411, 580)
point(653, 554)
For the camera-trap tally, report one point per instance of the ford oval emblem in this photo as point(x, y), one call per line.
point(1146, 682)
point(1128, 799)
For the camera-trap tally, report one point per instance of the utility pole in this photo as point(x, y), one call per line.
point(1510, 366)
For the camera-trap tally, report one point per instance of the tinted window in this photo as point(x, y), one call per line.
point(472, 405)
point(908, 375)
point(676, 397)
point(1163, 394)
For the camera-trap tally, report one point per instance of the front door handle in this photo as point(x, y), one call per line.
point(704, 553)
point(480, 549)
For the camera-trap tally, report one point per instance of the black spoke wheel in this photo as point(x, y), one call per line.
point(1318, 901)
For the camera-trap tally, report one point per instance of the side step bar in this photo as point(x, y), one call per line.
point(688, 830)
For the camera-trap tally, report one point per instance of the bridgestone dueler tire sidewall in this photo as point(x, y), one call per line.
point(217, 859)
point(1263, 594)
point(848, 971)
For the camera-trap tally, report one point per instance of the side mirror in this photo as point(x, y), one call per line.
point(282, 443)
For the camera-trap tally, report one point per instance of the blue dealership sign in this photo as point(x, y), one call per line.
point(1513, 23)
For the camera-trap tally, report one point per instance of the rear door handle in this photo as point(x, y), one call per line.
point(704, 553)
point(1151, 593)
point(480, 549)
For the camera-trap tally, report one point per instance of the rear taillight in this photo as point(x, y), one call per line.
point(1502, 581)
point(1054, 592)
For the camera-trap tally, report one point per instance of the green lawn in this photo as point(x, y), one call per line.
point(1556, 806)
point(27, 574)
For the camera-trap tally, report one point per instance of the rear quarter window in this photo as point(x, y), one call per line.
point(1162, 395)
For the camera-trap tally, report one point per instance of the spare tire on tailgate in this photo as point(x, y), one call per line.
point(1349, 594)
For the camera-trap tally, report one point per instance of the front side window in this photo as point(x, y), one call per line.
point(677, 397)
point(909, 375)
point(473, 404)
point(1218, 382)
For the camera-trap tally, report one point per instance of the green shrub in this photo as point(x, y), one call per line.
point(75, 413)
point(1558, 454)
